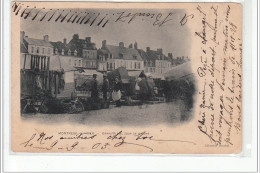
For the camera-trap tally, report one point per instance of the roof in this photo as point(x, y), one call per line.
point(153, 55)
point(59, 45)
point(79, 44)
point(143, 55)
point(124, 53)
point(37, 42)
point(103, 51)
point(23, 47)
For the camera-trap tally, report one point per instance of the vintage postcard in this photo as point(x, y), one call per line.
point(126, 77)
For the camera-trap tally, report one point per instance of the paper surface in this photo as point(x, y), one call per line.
point(200, 113)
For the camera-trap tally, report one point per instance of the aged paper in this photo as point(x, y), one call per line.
point(126, 77)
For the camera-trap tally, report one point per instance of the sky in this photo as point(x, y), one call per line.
point(171, 36)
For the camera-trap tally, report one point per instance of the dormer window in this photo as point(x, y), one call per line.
point(69, 52)
point(75, 53)
point(62, 51)
point(134, 56)
point(121, 55)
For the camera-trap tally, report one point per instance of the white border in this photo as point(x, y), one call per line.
point(240, 163)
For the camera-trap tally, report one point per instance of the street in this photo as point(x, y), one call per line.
point(145, 115)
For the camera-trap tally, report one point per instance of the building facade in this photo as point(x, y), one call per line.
point(66, 54)
point(85, 49)
point(89, 54)
point(36, 46)
point(121, 56)
point(160, 62)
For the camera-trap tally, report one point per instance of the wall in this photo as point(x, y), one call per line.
point(47, 50)
point(128, 64)
point(162, 66)
point(73, 61)
point(89, 54)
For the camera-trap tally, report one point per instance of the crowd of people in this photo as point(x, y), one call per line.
point(144, 89)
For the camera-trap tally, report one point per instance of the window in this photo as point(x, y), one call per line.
point(79, 62)
point(134, 56)
point(135, 65)
point(139, 65)
point(75, 62)
point(42, 50)
point(38, 50)
point(49, 51)
point(32, 49)
point(111, 65)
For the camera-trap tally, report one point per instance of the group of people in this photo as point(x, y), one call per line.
point(143, 89)
point(116, 91)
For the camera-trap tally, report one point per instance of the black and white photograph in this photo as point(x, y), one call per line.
point(122, 67)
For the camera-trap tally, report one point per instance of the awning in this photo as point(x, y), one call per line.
point(155, 75)
point(180, 71)
point(87, 77)
point(134, 73)
point(121, 73)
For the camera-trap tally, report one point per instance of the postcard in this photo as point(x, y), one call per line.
point(146, 78)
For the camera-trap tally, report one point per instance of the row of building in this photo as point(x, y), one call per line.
point(82, 53)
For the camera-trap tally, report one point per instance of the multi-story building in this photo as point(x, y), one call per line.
point(70, 57)
point(102, 58)
point(121, 56)
point(89, 54)
point(85, 49)
point(149, 61)
point(36, 46)
point(44, 57)
point(161, 62)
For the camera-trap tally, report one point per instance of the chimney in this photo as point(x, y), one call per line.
point(65, 41)
point(159, 51)
point(46, 38)
point(131, 45)
point(170, 55)
point(22, 34)
point(121, 44)
point(76, 36)
point(88, 39)
point(104, 44)
point(93, 46)
point(147, 49)
point(135, 45)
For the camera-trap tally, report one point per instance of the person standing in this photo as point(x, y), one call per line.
point(117, 92)
point(167, 90)
point(94, 90)
point(105, 87)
